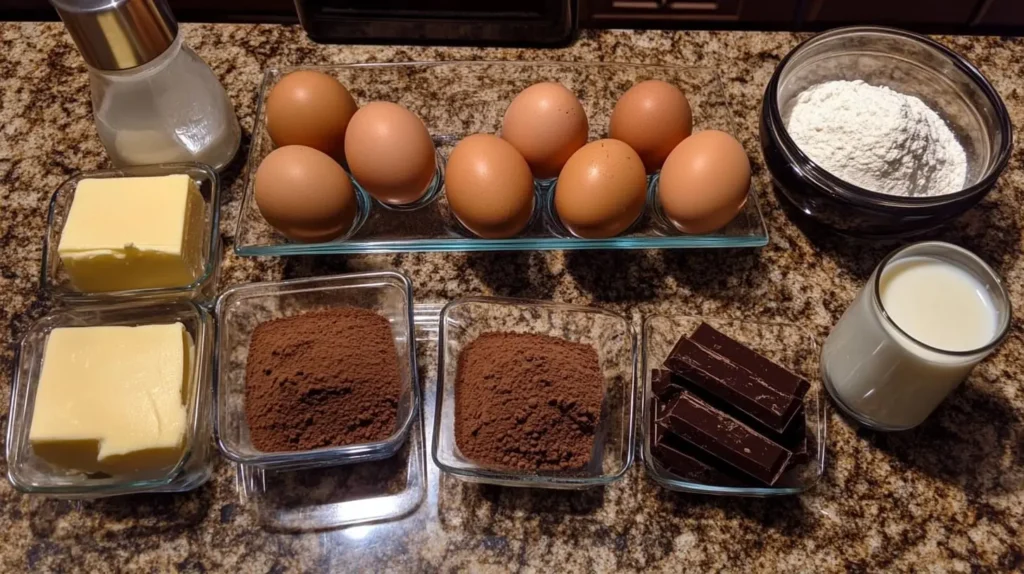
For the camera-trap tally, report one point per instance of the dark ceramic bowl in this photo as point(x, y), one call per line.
point(908, 63)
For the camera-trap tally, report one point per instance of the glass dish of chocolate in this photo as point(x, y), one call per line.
point(731, 407)
point(534, 394)
point(316, 371)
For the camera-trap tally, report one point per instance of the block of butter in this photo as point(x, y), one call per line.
point(134, 233)
point(112, 399)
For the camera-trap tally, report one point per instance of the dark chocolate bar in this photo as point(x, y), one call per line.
point(678, 457)
point(664, 384)
point(683, 460)
point(686, 467)
point(801, 453)
point(789, 438)
point(739, 387)
point(776, 376)
point(725, 438)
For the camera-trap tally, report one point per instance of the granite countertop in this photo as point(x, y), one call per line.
point(948, 496)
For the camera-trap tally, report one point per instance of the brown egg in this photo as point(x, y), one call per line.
point(704, 182)
point(547, 124)
point(305, 194)
point(601, 190)
point(390, 153)
point(652, 117)
point(311, 109)
point(489, 186)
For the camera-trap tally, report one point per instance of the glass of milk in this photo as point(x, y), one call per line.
point(928, 314)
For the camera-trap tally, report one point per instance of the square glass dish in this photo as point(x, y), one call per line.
point(54, 279)
point(312, 499)
point(610, 334)
point(30, 473)
point(473, 97)
point(791, 346)
point(242, 308)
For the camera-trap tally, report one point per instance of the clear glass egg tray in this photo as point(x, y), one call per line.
point(456, 99)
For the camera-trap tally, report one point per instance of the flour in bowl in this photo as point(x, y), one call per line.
point(878, 139)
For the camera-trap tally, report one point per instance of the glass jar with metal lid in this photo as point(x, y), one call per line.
point(154, 100)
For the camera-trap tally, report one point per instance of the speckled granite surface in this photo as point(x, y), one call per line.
point(948, 496)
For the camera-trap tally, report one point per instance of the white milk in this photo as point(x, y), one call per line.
point(939, 304)
point(889, 380)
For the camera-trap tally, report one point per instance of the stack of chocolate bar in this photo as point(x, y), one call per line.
point(723, 414)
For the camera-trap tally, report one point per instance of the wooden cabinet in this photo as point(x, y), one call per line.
point(895, 12)
point(675, 13)
point(1000, 14)
point(234, 10)
point(977, 16)
point(946, 16)
point(26, 10)
point(184, 10)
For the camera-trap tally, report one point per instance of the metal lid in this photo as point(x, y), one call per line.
point(118, 34)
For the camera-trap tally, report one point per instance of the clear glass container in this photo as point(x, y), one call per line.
point(300, 500)
point(31, 474)
point(791, 346)
point(610, 334)
point(169, 110)
point(242, 308)
point(475, 97)
point(54, 279)
point(884, 377)
point(908, 63)
point(315, 499)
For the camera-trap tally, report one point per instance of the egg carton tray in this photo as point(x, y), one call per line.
point(457, 99)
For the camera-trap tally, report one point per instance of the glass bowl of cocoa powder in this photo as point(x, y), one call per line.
point(315, 372)
point(534, 394)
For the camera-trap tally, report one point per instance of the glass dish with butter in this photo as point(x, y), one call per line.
point(113, 399)
point(131, 233)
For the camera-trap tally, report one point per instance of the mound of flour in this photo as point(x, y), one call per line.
point(878, 139)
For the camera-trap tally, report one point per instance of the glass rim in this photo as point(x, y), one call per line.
point(1007, 319)
point(853, 192)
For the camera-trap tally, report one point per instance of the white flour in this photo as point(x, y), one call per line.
point(878, 139)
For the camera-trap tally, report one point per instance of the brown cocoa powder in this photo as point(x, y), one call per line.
point(321, 379)
point(527, 402)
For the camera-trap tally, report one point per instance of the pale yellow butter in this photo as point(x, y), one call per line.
point(134, 233)
point(112, 399)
